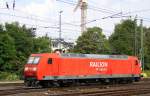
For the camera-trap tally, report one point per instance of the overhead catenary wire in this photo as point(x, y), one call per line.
point(35, 19)
point(24, 17)
point(72, 3)
point(137, 11)
point(103, 10)
point(51, 27)
point(95, 8)
point(89, 7)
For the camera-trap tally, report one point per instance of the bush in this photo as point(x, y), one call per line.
point(8, 76)
point(147, 72)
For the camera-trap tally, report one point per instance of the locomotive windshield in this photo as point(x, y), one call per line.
point(33, 60)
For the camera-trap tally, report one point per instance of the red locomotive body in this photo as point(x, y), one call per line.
point(47, 68)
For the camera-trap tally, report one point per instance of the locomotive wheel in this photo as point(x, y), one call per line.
point(37, 84)
point(56, 84)
point(137, 79)
point(27, 83)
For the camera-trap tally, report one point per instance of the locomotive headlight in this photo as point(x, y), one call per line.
point(34, 68)
point(26, 69)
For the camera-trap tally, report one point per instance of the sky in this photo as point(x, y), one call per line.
point(44, 15)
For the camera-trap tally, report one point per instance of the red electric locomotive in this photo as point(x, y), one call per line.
point(48, 69)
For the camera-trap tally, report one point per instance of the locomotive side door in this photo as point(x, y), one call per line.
point(55, 66)
point(49, 67)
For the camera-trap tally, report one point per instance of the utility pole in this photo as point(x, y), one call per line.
point(60, 29)
point(135, 39)
point(142, 49)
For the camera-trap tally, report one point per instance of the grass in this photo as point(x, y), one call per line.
point(8, 76)
point(147, 73)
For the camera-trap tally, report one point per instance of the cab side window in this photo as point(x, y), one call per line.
point(49, 61)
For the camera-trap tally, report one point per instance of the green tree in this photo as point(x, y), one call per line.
point(122, 41)
point(7, 52)
point(92, 42)
point(23, 40)
point(42, 44)
point(16, 44)
point(147, 48)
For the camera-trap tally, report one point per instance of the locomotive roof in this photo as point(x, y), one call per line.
point(94, 56)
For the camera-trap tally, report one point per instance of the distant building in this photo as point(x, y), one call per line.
point(56, 43)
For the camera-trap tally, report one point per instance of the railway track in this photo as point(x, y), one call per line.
point(119, 92)
point(141, 87)
point(19, 90)
point(115, 92)
point(105, 90)
point(12, 85)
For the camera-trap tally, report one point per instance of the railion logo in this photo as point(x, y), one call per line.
point(99, 66)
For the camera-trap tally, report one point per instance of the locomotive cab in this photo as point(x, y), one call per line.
point(38, 67)
point(30, 69)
